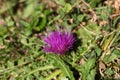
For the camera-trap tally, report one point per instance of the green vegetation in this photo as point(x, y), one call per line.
point(25, 23)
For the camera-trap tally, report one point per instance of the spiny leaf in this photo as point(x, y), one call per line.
point(85, 70)
point(58, 62)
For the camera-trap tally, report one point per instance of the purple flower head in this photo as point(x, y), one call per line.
point(59, 42)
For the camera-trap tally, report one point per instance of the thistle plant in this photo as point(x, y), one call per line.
point(59, 42)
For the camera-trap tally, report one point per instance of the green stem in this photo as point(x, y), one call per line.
point(40, 69)
point(57, 72)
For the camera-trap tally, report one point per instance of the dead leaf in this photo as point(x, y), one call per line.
point(2, 46)
point(102, 67)
point(117, 61)
point(116, 5)
point(71, 21)
point(50, 4)
point(82, 61)
point(102, 23)
point(117, 9)
point(2, 22)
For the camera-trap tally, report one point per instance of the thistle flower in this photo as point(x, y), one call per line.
point(59, 42)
